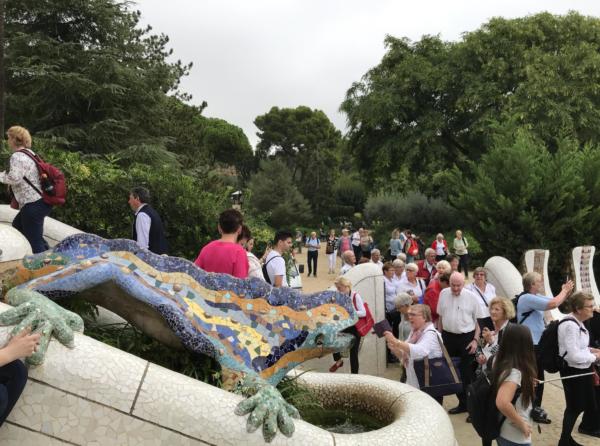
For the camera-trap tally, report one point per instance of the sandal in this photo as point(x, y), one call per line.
point(336, 365)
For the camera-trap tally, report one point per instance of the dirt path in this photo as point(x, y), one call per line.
point(554, 401)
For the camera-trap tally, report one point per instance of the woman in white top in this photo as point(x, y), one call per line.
point(32, 208)
point(344, 286)
point(423, 341)
point(513, 374)
point(502, 311)
point(412, 284)
point(573, 346)
point(485, 292)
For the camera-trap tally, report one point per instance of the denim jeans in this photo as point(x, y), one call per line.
point(30, 222)
point(13, 377)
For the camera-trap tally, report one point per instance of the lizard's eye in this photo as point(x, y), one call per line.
point(319, 339)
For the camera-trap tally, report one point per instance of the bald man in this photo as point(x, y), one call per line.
point(459, 309)
point(348, 260)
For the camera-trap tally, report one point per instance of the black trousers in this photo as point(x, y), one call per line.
point(357, 252)
point(539, 389)
point(591, 415)
point(463, 264)
point(312, 262)
point(30, 222)
point(13, 377)
point(394, 318)
point(456, 344)
point(579, 396)
point(353, 350)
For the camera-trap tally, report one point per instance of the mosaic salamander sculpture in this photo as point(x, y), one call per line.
point(258, 332)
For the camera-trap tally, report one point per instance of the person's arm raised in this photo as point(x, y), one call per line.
point(560, 298)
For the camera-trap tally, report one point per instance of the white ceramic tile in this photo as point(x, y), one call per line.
point(11, 435)
point(92, 370)
point(207, 413)
point(73, 419)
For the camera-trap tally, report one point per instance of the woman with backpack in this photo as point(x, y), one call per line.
point(344, 286)
point(513, 376)
point(23, 178)
point(578, 356)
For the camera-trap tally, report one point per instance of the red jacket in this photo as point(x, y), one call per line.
point(424, 273)
point(433, 246)
point(432, 296)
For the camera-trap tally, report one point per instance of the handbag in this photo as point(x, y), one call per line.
point(364, 324)
point(439, 376)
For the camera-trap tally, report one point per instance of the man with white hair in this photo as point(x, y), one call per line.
point(376, 257)
point(426, 266)
point(459, 310)
point(348, 261)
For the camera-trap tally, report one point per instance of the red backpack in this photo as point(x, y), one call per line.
point(52, 180)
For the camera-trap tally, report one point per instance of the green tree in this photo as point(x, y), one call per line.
point(82, 71)
point(273, 195)
point(428, 105)
point(521, 196)
point(307, 142)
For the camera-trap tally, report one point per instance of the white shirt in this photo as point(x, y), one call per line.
point(254, 266)
point(397, 279)
point(276, 267)
point(22, 166)
point(428, 346)
point(509, 430)
point(359, 305)
point(574, 339)
point(418, 289)
point(459, 313)
point(142, 227)
point(439, 248)
point(488, 295)
point(390, 292)
point(356, 239)
point(379, 263)
point(345, 268)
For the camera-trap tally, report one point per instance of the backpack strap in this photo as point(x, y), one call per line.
point(36, 159)
point(272, 258)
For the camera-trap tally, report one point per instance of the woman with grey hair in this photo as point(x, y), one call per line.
point(412, 285)
point(423, 341)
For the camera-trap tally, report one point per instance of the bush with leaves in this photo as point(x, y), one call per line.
point(99, 189)
point(273, 195)
point(521, 196)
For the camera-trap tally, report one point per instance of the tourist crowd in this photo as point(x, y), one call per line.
point(429, 308)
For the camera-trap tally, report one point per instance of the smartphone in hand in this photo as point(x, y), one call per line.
point(381, 327)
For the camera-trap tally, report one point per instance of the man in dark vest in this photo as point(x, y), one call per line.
point(148, 229)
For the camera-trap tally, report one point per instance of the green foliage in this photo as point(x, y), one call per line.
point(307, 142)
point(521, 196)
point(272, 194)
point(84, 73)
point(99, 189)
point(428, 105)
point(350, 196)
point(411, 210)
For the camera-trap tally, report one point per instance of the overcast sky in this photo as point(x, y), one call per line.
point(250, 55)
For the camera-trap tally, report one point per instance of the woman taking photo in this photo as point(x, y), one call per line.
point(23, 178)
point(423, 341)
point(573, 346)
point(502, 311)
point(514, 373)
point(344, 286)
